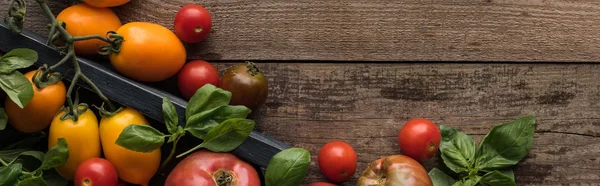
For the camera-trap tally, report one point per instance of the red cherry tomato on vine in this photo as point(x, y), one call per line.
point(419, 139)
point(192, 23)
point(194, 75)
point(321, 184)
point(337, 161)
point(96, 171)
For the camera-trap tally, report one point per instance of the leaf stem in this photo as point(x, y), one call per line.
point(6, 164)
point(191, 150)
point(172, 151)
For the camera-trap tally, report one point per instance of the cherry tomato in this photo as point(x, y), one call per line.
point(83, 20)
point(39, 112)
point(106, 3)
point(419, 139)
point(149, 53)
point(194, 75)
point(395, 170)
point(96, 171)
point(321, 184)
point(248, 86)
point(337, 161)
point(192, 23)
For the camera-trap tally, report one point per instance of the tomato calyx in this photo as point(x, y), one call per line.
point(252, 68)
point(46, 77)
point(107, 113)
point(114, 41)
point(224, 178)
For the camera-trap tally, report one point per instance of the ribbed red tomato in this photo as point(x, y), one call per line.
point(419, 139)
point(395, 170)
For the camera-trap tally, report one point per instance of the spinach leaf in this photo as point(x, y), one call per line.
point(228, 135)
point(170, 114)
point(457, 149)
point(207, 97)
point(471, 181)
point(505, 145)
point(17, 59)
point(439, 178)
point(9, 174)
point(17, 87)
point(11, 155)
point(31, 181)
point(141, 138)
point(56, 156)
point(3, 119)
point(497, 178)
point(199, 124)
point(288, 167)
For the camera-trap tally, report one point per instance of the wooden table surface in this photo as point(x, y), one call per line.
point(495, 60)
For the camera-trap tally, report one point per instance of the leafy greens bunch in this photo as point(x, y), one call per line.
point(489, 164)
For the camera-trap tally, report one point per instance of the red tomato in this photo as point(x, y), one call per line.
point(419, 139)
point(337, 161)
point(194, 75)
point(209, 168)
point(96, 171)
point(321, 184)
point(192, 23)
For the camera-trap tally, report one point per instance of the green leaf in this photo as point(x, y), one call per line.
point(178, 132)
point(11, 155)
point(439, 178)
point(57, 155)
point(33, 181)
point(510, 173)
point(17, 59)
point(17, 87)
point(288, 167)
point(170, 115)
point(28, 142)
point(497, 178)
point(54, 179)
point(228, 135)
point(207, 97)
point(472, 181)
point(141, 138)
point(3, 119)
point(457, 149)
point(505, 145)
point(199, 124)
point(9, 174)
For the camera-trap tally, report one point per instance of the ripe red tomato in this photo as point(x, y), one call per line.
point(321, 184)
point(419, 139)
point(192, 23)
point(337, 161)
point(96, 171)
point(194, 75)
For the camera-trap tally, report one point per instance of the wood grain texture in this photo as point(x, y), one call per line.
point(367, 104)
point(380, 30)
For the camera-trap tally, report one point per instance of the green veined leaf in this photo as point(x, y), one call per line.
point(3, 119)
point(31, 181)
point(12, 154)
point(228, 135)
point(439, 178)
point(17, 59)
point(207, 97)
point(141, 138)
point(9, 174)
point(288, 167)
point(17, 87)
point(170, 115)
point(56, 156)
point(199, 124)
point(472, 181)
point(497, 178)
point(457, 149)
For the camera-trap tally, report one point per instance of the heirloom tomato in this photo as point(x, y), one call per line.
point(85, 20)
point(192, 23)
point(209, 168)
point(321, 184)
point(106, 3)
point(96, 172)
point(149, 53)
point(39, 112)
point(248, 86)
point(194, 75)
point(133, 167)
point(395, 170)
point(82, 139)
point(337, 161)
point(419, 139)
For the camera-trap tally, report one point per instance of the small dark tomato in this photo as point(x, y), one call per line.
point(248, 86)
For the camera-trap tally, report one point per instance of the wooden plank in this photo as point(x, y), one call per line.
point(366, 105)
point(379, 30)
point(257, 149)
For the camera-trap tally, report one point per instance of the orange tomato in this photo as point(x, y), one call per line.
point(38, 113)
point(133, 167)
point(85, 20)
point(150, 52)
point(106, 3)
point(82, 138)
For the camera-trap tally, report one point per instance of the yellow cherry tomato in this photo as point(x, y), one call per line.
point(106, 3)
point(85, 20)
point(82, 138)
point(149, 52)
point(133, 167)
point(38, 113)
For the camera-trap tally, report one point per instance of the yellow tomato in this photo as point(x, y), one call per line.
point(85, 20)
point(133, 167)
point(82, 138)
point(106, 3)
point(150, 52)
point(38, 113)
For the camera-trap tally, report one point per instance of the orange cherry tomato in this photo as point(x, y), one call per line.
point(106, 3)
point(38, 113)
point(149, 53)
point(85, 20)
